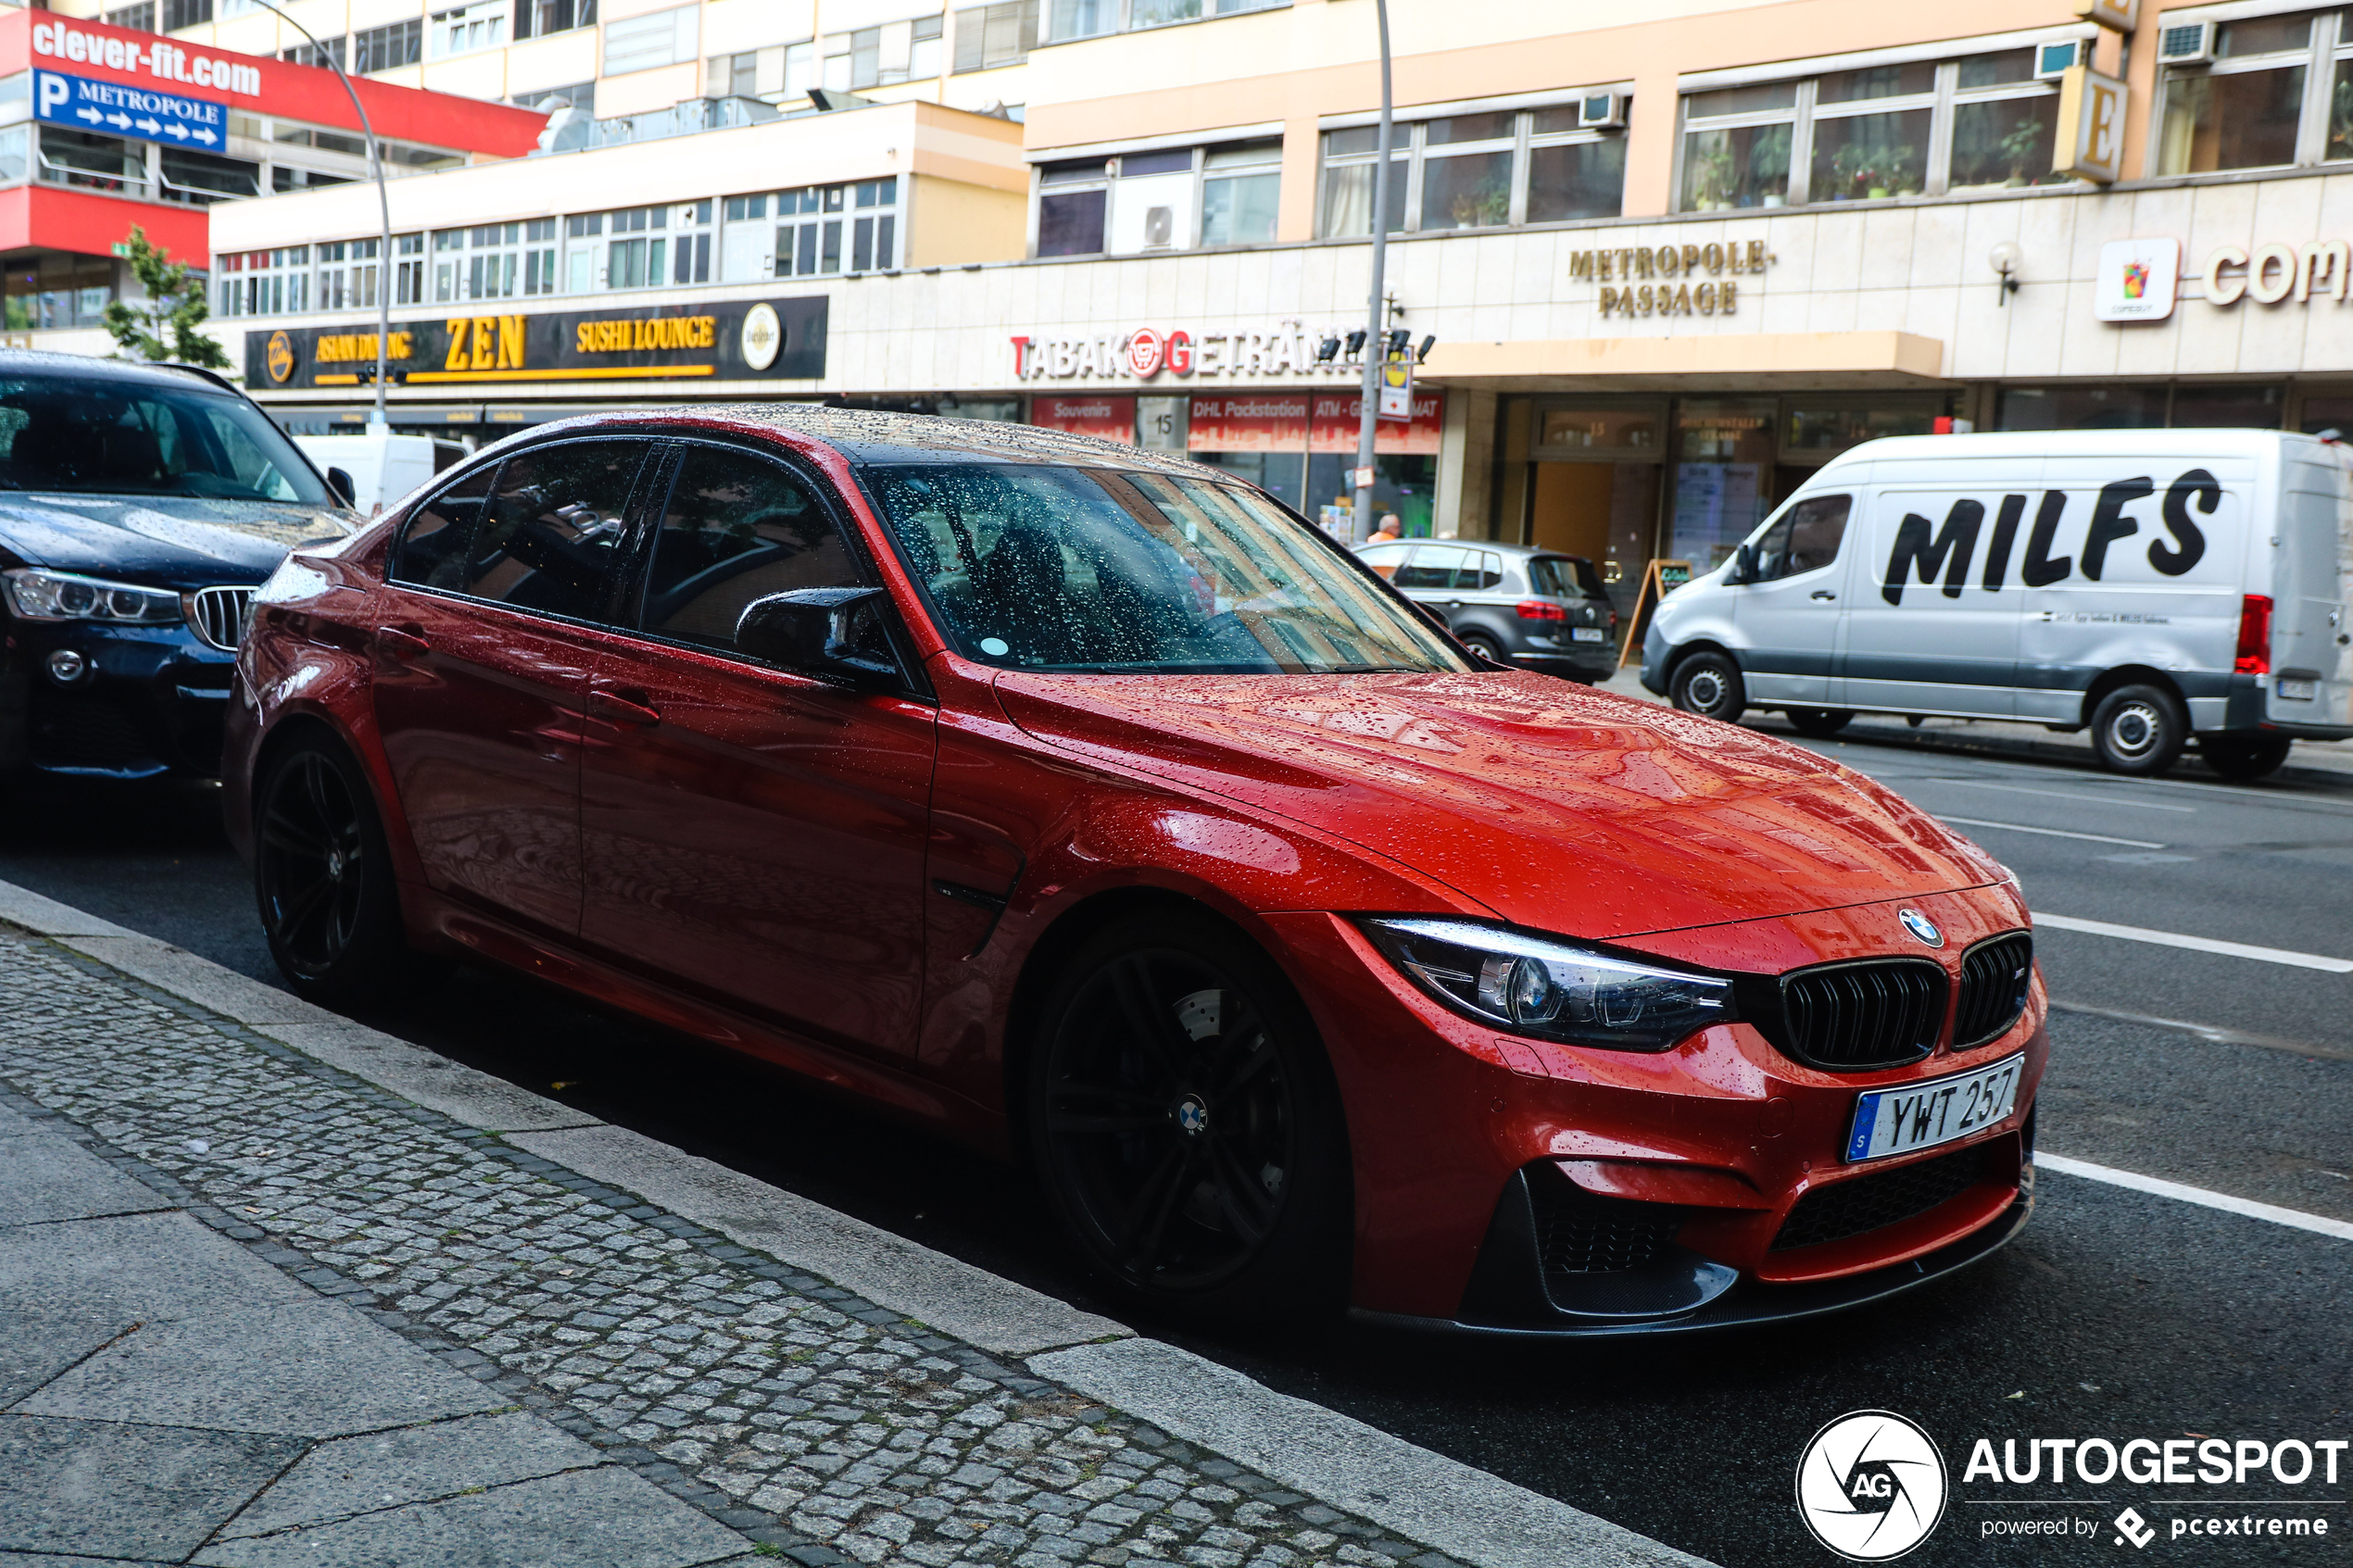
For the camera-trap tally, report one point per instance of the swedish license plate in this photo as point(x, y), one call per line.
point(1587, 635)
point(2299, 691)
point(1920, 1116)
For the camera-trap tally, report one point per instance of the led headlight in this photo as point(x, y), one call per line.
point(60, 595)
point(1536, 986)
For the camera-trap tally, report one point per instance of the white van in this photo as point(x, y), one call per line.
point(383, 469)
point(2151, 584)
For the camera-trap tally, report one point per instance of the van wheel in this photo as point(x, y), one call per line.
point(1184, 1124)
point(1709, 684)
point(2244, 758)
point(2139, 730)
point(1820, 722)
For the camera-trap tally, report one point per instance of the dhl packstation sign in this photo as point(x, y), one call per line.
point(781, 339)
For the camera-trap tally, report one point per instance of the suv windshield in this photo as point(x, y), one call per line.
point(1563, 577)
point(89, 436)
point(1079, 568)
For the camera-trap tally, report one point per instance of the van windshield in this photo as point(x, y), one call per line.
point(91, 435)
point(1046, 568)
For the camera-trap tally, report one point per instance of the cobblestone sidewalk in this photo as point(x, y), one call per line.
point(805, 1420)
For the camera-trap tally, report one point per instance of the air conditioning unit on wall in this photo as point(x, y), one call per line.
point(2052, 61)
point(2185, 43)
point(1601, 111)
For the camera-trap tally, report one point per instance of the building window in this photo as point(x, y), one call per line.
point(2247, 110)
point(635, 256)
point(1474, 172)
point(388, 48)
point(2222, 405)
point(177, 14)
point(134, 19)
point(409, 269)
point(491, 260)
point(464, 29)
point(584, 238)
point(1092, 18)
point(582, 96)
point(990, 36)
point(306, 53)
point(865, 57)
point(690, 247)
point(659, 38)
point(800, 68)
point(1241, 189)
point(263, 282)
point(1871, 134)
point(733, 75)
point(924, 40)
point(347, 274)
point(201, 179)
point(96, 163)
point(285, 177)
point(56, 290)
point(1072, 200)
point(536, 18)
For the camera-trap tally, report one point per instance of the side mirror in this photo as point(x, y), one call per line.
point(340, 484)
point(1745, 564)
point(815, 632)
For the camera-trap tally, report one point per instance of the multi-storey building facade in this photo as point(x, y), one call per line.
point(1664, 264)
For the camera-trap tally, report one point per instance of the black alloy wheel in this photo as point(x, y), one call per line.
point(322, 876)
point(2244, 758)
point(2139, 730)
point(1818, 722)
point(1710, 685)
point(1186, 1125)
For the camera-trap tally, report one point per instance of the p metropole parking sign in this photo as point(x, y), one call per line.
point(1871, 1486)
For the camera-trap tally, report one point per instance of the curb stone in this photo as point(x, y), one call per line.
point(866, 1273)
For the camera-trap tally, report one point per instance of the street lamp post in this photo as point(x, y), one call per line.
point(379, 425)
point(1360, 514)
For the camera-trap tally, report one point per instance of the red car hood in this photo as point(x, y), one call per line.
point(1557, 807)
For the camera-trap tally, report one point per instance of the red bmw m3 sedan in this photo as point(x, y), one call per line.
point(1083, 804)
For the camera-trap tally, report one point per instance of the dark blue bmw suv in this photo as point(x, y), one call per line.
point(140, 507)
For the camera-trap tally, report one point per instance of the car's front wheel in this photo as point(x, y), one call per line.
point(1709, 684)
point(2139, 730)
point(1186, 1125)
point(322, 875)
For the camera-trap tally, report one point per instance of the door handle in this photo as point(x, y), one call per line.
point(1824, 594)
point(396, 642)
point(621, 710)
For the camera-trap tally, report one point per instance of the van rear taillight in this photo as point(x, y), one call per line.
point(1537, 610)
point(2255, 635)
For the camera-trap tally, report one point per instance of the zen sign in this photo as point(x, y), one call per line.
point(112, 108)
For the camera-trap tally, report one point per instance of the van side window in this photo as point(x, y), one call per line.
point(1805, 540)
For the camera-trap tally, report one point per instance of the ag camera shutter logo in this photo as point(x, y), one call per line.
point(1871, 1486)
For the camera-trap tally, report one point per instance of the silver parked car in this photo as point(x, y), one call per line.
point(1516, 604)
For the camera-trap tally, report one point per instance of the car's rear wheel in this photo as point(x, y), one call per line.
point(1820, 722)
point(2244, 758)
point(1186, 1126)
point(322, 876)
point(1709, 684)
point(1484, 645)
point(2139, 730)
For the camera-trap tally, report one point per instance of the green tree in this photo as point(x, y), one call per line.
point(167, 324)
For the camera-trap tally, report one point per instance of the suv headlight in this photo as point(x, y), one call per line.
point(1536, 986)
point(60, 595)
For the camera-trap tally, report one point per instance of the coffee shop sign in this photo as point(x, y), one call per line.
point(1144, 353)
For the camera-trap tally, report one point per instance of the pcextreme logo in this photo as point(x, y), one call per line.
point(1871, 1486)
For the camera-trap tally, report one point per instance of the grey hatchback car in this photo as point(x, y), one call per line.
point(1516, 604)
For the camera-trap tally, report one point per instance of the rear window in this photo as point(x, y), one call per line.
point(1562, 577)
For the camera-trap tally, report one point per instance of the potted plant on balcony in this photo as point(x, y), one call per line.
point(2026, 139)
point(1904, 170)
point(1712, 176)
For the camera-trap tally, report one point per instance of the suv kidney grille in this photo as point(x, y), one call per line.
point(1994, 975)
point(1845, 1017)
point(218, 617)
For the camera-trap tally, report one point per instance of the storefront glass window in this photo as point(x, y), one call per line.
point(2322, 415)
point(2229, 407)
point(2081, 407)
point(1722, 469)
point(54, 291)
point(1814, 431)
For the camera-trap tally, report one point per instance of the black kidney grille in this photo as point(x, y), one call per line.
point(1850, 1017)
point(1995, 974)
point(1583, 1232)
point(1884, 1198)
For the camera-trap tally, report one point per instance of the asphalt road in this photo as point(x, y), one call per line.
point(2116, 1314)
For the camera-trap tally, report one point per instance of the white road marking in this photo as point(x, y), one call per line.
point(2197, 944)
point(2066, 794)
point(2294, 1218)
point(2050, 833)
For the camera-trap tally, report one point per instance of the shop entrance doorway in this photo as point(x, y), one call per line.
point(1603, 511)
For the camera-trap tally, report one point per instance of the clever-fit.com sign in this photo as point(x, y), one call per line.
point(165, 63)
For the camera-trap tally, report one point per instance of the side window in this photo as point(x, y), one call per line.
point(439, 536)
point(737, 527)
point(1491, 571)
point(1384, 561)
point(1806, 539)
point(550, 535)
point(1434, 566)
